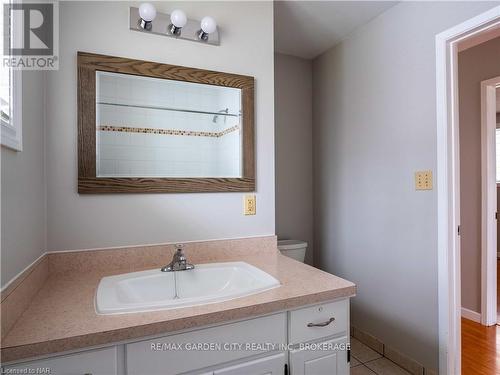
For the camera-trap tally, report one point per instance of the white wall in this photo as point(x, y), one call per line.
point(374, 121)
point(88, 221)
point(294, 177)
point(23, 186)
point(474, 65)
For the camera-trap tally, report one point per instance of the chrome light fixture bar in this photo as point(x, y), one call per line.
point(205, 31)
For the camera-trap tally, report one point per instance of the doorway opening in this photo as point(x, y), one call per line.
point(490, 176)
point(495, 118)
point(471, 32)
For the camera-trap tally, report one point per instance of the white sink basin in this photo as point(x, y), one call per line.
point(155, 290)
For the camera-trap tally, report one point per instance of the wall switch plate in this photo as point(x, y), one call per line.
point(423, 180)
point(250, 205)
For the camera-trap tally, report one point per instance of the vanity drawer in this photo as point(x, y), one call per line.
point(176, 354)
point(318, 321)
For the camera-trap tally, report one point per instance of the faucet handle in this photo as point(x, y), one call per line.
point(179, 261)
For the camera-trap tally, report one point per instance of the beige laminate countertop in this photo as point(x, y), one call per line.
point(62, 316)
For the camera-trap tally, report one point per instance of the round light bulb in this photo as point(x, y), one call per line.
point(208, 25)
point(147, 12)
point(178, 18)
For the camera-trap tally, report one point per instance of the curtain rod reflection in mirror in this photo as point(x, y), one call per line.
point(218, 113)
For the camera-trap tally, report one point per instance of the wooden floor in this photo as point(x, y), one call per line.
point(481, 345)
point(498, 291)
point(480, 349)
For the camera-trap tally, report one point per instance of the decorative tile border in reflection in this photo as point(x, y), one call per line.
point(228, 130)
point(189, 133)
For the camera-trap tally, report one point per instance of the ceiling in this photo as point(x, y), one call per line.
point(308, 28)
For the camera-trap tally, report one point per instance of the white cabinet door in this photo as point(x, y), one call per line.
point(272, 365)
point(327, 358)
point(95, 362)
point(155, 357)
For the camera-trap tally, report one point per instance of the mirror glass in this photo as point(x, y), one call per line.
point(152, 127)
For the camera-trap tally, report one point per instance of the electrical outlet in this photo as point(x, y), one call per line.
point(250, 206)
point(423, 180)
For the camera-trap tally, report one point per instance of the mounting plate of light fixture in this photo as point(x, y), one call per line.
point(175, 25)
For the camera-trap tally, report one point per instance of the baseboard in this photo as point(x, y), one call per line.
point(471, 315)
point(407, 363)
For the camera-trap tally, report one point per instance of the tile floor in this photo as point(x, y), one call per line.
point(366, 361)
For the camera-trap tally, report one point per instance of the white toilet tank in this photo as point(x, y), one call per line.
point(293, 248)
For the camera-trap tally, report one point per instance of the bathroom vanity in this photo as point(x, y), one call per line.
point(269, 344)
point(300, 327)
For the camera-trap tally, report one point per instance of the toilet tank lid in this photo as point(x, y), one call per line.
point(291, 244)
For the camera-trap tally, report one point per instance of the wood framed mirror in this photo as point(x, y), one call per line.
point(147, 127)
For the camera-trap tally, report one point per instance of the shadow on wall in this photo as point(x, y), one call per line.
point(364, 315)
point(293, 150)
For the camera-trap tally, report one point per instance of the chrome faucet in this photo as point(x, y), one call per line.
point(179, 261)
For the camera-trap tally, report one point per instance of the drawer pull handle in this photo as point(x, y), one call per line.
point(324, 324)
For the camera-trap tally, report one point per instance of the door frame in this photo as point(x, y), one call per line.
point(448, 185)
point(488, 202)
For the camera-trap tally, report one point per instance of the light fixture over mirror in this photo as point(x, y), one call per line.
point(175, 25)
